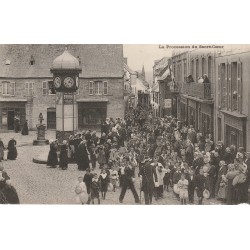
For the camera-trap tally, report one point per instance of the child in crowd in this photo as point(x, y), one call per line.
point(88, 180)
point(183, 189)
point(114, 177)
point(81, 191)
point(104, 181)
point(95, 189)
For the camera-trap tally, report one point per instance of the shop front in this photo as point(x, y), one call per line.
point(235, 131)
point(9, 110)
point(91, 114)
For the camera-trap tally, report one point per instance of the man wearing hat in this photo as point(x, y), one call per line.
point(128, 181)
point(148, 174)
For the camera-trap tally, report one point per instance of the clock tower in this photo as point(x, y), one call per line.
point(65, 69)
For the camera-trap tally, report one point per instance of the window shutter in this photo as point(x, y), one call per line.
point(87, 87)
point(229, 87)
point(239, 85)
point(219, 85)
point(1, 88)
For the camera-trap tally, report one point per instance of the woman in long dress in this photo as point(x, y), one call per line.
point(1, 150)
point(52, 157)
point(64, 160)
point(83, 156)
point(12, 153)
point(25, 130)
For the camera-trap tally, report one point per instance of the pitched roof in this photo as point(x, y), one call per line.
point(96, 60)
point(126, 67)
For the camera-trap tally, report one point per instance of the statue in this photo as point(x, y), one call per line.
point(40, 132)
point(40, 118)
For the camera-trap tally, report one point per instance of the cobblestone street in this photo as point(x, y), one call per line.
point(38, 184)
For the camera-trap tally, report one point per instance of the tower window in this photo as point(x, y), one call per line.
point(32, 60)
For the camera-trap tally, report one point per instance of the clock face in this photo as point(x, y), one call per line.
point(57, 82)
point(77, 82)
point(68, 82)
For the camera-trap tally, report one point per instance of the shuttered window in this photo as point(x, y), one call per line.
point(8, 88)
point(91, 88)
point(29, 86)
point(239, 85)
point(105, 88)
point(219, 85)
point(45, 88)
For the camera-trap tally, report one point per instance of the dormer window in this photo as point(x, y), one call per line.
point(7, 62)
point(32, 60)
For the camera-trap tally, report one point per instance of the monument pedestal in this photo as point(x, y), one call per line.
point(66, 116)
point(40, 135)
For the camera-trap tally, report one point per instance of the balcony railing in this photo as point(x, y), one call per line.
point(198, 90)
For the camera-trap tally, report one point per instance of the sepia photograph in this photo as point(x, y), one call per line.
point(124, 124)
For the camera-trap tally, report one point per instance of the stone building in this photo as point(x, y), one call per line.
point(232, 97)
point(25, 84)
point(196, 99)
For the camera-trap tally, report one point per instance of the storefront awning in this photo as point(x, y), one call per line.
point(13, 99)
point(92, 100)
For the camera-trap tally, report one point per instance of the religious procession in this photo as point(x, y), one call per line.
point(164, 154)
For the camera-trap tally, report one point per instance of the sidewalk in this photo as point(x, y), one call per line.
point(24, 140)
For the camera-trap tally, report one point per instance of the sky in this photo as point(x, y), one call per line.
point(144, 54)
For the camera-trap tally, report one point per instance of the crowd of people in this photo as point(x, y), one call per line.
point(8, 193)
point(164, 154)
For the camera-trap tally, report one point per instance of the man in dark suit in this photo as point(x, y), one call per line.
point(148, 175)
point(191, 186)
point(128, 181)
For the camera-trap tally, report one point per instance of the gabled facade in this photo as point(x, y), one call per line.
point(25, 89)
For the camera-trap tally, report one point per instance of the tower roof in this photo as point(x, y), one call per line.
point(66, 61)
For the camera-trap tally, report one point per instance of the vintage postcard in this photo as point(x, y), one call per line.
point(111, 124)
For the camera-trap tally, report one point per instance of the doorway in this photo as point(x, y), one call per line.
point(11, 115)
point(51, 118)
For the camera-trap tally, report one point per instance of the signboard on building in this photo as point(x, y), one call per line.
point(68, 98)
point(167, 103)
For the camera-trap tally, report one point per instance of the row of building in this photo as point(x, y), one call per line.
point(26, 89)
point(107, 85)
point(208, 89)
